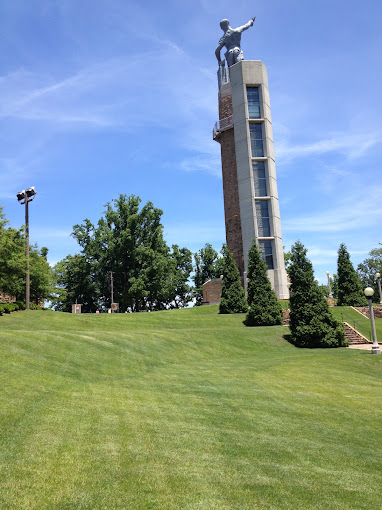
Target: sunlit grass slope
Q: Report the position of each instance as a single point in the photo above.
(183, 410)
(362, 324)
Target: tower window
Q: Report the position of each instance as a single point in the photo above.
(262, 216)
(253, 98)
(256, 133)
(265, 248)
(259, 178)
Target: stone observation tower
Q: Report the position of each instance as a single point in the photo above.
(244, 131)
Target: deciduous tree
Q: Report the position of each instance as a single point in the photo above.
(368, 269)
(207, 267)
(12, 259)
(74, 280)
(13, 265)
(128, 241)
(40, 275)
(181, 274)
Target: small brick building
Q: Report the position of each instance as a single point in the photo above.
(212, 291)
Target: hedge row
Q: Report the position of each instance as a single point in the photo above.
(14, 307)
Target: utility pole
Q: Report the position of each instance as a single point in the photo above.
(27, 195)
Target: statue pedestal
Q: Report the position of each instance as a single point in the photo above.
(249, 173)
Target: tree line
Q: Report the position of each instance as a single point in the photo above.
(148, 275)
(348, 284)
(13, 264)
(128, 240)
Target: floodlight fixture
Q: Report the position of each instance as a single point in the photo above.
(31, 192)
(21, 195)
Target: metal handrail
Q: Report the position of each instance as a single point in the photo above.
(222, 125)
(368, 332)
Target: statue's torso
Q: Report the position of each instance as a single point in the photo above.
(232, 39)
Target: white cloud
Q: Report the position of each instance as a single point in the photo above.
(153, 90)
(347, 214)
(204, 163)
(350, 145)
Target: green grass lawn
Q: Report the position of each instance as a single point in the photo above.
(284, 304)
(183, 410)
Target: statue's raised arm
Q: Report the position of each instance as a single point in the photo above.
(247, 25)
(231, 40)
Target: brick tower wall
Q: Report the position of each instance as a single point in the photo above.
(230, 185)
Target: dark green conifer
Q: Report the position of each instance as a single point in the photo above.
(350, 292)
(311, 322)
(264, 308)
(233, 296)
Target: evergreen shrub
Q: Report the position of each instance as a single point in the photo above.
(264, 308)
(311, 322)
(233, 297)
(350, 291)
(33, 306)
(16, 306)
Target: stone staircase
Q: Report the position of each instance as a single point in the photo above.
(353, 337)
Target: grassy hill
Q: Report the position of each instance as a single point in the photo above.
(182, 410)
(358, 321)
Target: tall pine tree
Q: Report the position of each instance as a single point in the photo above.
(311, 322)
(264, 308)
(233, 297)
(350, 292)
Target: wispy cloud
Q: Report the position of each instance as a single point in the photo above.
(77, 99)
(118, 91)
(208, 163)
(352, 146)
(347, 214)
(125, 94)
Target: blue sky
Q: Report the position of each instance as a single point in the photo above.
(107, 97)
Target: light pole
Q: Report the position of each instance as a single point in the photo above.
(112, 290)
(378, 276)
(375, 347)
(245, 281)
(24, 197)
(330, 290)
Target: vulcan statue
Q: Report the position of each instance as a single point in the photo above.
(231, 40)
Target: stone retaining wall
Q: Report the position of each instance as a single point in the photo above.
(6, 298)
(365, 311)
